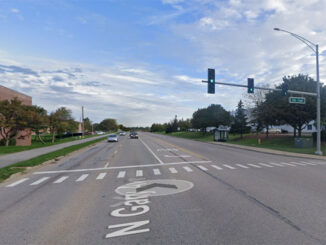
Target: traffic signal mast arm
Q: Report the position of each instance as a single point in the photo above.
(262, 88)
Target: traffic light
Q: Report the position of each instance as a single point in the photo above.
(251, 87)
(211, 81)
(285, 89)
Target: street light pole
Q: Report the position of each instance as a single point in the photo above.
(314, 47)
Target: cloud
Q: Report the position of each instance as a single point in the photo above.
(15, 11)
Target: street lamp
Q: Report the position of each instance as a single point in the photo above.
(313, 47)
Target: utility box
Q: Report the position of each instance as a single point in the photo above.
(221, 133)
(303, 142)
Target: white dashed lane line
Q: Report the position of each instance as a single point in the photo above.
(139, 173)
(40, 180)
(253, 165)
(228, 166)
(242, 166)
(156, 171)
(217, 167)
(121, 174)
(101, 176)
(82, 178)
(265, 165)
(188, 169)
(17, 182)
(202, 168)
(173, 170)
(60, 180)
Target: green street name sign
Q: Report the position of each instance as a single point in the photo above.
(297, 100)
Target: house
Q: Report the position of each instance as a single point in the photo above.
(23, 137)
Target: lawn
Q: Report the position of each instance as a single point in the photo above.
(6, 172)
(275, 142)
(37, 144)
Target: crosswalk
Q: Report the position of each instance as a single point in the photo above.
(120, 174)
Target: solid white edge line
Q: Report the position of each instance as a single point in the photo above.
(149, 149)
(118, 167)
(17, 182)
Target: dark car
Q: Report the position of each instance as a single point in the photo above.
(133, 135)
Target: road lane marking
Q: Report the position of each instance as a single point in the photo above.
(82, 177)
(60, 180)
(107, 165)
(309, 163)
(101, 176)
(242, 166)
(188, 169)
(202, 167)
(285, 163)
(173, 170)
(17, 182)
(276, 164)
(121, 174)
(149, 149)
(167, 149)
(40, 181)
(217, 167)
(139, 173)
(228, 166)
(297, 163)
(119, 167)
(156, 171)
(266, 165)
(253, 165)
(184, 156)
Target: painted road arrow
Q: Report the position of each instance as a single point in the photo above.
(146, 187)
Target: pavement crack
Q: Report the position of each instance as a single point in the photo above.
(269, 209)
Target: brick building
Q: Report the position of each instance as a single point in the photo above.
(23, 137)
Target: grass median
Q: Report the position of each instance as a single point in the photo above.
(7, 171)
(275, 142)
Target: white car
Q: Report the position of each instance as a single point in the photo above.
(113, 138)
(122, 133)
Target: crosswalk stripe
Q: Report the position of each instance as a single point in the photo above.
(253, 165)
(266, 165)
(228, 166)
(17, 182)
(156, 171)
(173, 170)
(309, 163)
(82, 177)
(285, 163)
(217, 167)
(60, 180)
(101, 176)
(202, 168)
(276, 164)
(188, 169)
(40, 181)
(139, 173)
(242, 166)
(297, 163)
(121, 174)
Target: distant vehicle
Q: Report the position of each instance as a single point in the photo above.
(113, 138)
(272, 131)
(133, 135)
(100, 132)
(122, 133)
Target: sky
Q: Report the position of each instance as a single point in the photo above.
(142, 62)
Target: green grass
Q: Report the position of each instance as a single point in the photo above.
(282, 143)
(37, 144)
(7, 171)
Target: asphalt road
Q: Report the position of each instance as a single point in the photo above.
(12, 158)
(164, 190)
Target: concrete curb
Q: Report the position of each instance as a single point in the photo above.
(270, 151)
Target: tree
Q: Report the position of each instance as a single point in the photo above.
(87, 124)
(12, 118)
(184, 125)
(61, 121)
(37, 120)
(240, 121)
(296, 115)
(108, 124)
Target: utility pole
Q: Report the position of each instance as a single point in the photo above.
(83, 126)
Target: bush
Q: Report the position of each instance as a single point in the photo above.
(12, 142)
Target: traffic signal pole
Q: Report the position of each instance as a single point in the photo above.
(263, 88)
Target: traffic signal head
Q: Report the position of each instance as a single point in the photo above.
(285, 89)
(251, 87)
(211, 81)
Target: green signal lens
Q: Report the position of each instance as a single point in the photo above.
(211, 80)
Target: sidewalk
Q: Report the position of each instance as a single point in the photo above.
(270, 151)
(8, 159)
